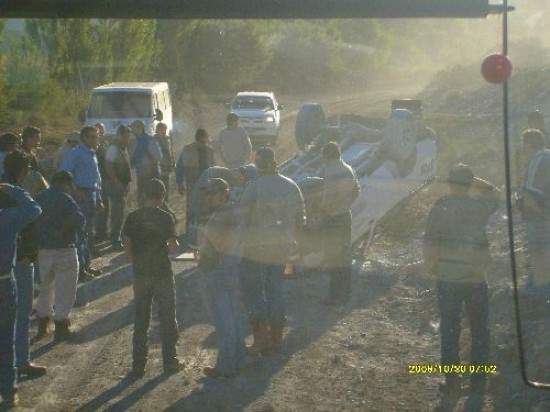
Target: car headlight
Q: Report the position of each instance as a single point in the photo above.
(269, 119)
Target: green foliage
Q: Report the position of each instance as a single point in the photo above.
(306, 57)
(83, 53)
(132, 52)
(212, 56)
(51, 68)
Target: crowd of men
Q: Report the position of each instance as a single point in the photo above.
(248, 220)
(246, 217)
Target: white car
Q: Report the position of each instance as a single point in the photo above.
(259, 114)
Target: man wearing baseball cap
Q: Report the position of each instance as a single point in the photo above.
(218, 260)
(456, 252)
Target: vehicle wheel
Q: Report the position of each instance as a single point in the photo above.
(309, 123)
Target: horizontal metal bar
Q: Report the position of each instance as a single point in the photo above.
(243, 9)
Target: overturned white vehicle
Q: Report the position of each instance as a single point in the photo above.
(390, 162)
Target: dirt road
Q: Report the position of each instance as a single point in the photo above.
(354, 358)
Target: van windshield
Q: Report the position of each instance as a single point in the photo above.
(253, 103)
(123, 104)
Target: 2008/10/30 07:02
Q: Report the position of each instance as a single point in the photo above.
(452, 368)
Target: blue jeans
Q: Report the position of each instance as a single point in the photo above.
(220, 294)
(162, 290)
(87, 207)
(117, 200)
(451, 296)
(338, 256)
(8, 311)
(263, 290)
(24, 278)
(103, 216)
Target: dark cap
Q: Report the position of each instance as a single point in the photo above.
(214, 186)
(461, 174)
(265, 158)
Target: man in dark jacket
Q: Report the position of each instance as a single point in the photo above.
(58, 226)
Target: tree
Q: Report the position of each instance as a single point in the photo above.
(213, 56)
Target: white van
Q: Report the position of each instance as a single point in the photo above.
(119, 103)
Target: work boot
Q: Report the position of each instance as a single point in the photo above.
(135, 374)
(276, 329)
(31, 371)
(63, 331)
(85, 276)
(43, 326)
(260, 332)
(174, 367)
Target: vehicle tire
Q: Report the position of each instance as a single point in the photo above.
(310, 121)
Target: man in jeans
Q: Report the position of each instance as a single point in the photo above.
(17, 210)
(456, 252)
(117, 166)
(218, 260)
(340, 189)
(58, 226)
(16, 169)
(149, 236)
(82, 163)
(272, 213)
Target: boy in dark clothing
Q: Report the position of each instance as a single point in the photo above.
(149, 236)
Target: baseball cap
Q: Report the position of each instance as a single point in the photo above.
(461, 174)
(214, 186)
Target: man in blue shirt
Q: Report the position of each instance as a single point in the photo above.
(58, 226)
(17, 210)
(82, 163)
(146, 158)
(16, 170)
